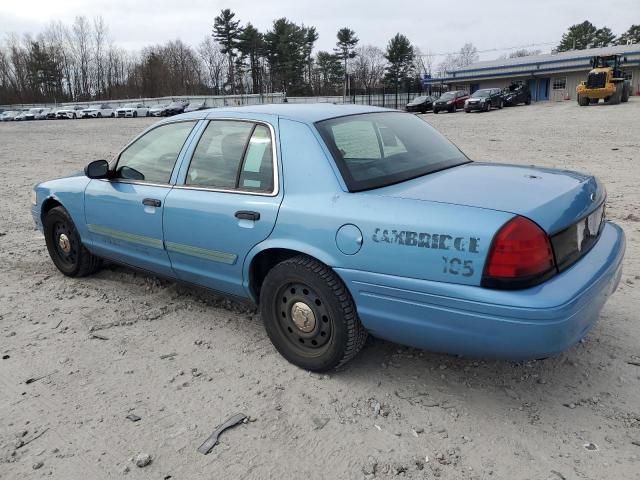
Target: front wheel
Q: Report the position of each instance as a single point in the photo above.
(65, 247)
(309, 315)
(135, 114)
(500, 105)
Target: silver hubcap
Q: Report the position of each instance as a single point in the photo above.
(303, 317)
(64, 243)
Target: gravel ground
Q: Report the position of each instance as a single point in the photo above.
(101, 346)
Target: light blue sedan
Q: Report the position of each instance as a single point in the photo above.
(340, 221)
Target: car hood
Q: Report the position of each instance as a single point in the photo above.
(443, 101)
(554, 199)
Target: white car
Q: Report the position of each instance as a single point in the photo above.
(43, 115)
(69, 111)
(8, 116)
(158, 110)
(133, 110)
(97, 111)
(31, 113)
(21, 115)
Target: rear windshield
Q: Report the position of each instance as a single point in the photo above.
(374, 150)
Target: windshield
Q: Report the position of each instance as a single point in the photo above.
(130, 105)
(482, 93)
(160, 106)
(374, 150)
(175, 104)
(35, 110)
(447, 96)
(419, 99)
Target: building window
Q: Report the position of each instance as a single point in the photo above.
(560, 83)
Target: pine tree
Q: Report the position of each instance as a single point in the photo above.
(227, 31)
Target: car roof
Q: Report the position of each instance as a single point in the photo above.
(306, 113)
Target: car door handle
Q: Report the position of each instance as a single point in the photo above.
(151, 202)
(246, 215)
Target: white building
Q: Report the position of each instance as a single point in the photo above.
(552, 76)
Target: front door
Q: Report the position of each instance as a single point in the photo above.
(124, 214)
(226, 203)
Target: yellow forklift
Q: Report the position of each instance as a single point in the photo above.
(606, 81)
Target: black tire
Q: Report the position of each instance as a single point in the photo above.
(626, 92)
(583, 101)
(466, 110)
(99, 114)
(453, 108)
(68, 254)
(135, 113)
(487, 106)
(501, 104)
(336, 334)
(528, 101)
(616, 98)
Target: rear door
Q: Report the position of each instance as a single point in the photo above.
(124, 214)
(226, 201)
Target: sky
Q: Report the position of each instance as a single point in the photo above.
(436, 26)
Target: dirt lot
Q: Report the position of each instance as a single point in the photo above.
(392, 411)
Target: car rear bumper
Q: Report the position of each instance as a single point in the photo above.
(472, 321)
(604, 92)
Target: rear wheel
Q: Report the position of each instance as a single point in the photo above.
(64, 245)
(626, 91)
(528, 101)
(453, 108)
(500, 104)
(487, 106)
(309, 315)
(99, 114)
(616, 98)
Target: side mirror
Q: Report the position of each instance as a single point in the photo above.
(97, 169)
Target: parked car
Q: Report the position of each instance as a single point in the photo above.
(69, 111)
(133, 110)
(158, 110)
(53, 114)
(450, 101)
(21, 115)
(31, 113)
(338, 220)
(516, 93)
(484, 100)
(8, 115)
(421, 104)
(43, 114)
(194, 107)
(175, 108)
(97, 111)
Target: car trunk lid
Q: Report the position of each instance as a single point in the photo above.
(554, 199)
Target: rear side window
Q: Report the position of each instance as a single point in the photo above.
(233, 155)
(378, 149)
(151, 158)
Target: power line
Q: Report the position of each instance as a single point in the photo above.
(489, 49)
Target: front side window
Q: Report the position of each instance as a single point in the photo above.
(151, 157)
(374, 150)
(233, 155)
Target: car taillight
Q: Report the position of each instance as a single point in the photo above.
(520, 256)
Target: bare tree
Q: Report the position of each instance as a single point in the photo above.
(368, 66)
(214, 63)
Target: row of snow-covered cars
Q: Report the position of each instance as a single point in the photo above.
(100, 110)
(481, 100)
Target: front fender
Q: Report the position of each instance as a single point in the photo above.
(69, 192)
